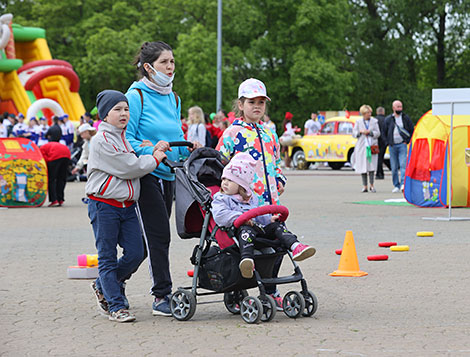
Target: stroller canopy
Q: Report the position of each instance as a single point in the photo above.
(202, 169)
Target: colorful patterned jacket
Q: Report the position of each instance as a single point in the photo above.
(262, 144)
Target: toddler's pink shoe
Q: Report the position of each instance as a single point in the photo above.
(302, 252)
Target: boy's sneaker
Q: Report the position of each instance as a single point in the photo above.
(122, 315)
(247, 265)
(161, 306)
(278, 300)
(101, 301)
(302, 252)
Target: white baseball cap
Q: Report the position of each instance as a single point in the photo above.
(85, 127)
(252, 88)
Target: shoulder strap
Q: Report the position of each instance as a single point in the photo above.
(176, 99)
(141, 97)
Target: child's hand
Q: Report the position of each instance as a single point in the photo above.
(275, 217)
(162, 146)
(146, 143)
(280, 188)
(250, 223)
(159, 155)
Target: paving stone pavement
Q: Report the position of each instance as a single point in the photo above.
(415, 304)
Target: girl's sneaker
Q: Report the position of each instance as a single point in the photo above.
(302, 252)
(122, 315)
(278, 300)
(100, 300)
(247, 265)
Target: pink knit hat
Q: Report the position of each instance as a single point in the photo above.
(241, 170)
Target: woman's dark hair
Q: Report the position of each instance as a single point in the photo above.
(149, 52)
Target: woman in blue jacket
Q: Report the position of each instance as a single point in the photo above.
(155, 117)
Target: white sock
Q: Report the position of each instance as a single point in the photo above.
(293, 246)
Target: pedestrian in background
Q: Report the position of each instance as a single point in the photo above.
(380, 116)
(57, 157)
(367, 132)
(196, 127)
(398, 131)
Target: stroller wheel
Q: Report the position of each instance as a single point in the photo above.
(251, 310)
(293, 304)
(311, 304)
(182, 304)
(233, 299)
(269, 308)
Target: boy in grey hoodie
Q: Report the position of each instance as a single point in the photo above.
(113, 187)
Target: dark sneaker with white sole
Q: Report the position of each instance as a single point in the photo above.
(161, 306)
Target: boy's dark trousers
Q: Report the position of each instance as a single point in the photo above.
(115, 226)
(57, 176)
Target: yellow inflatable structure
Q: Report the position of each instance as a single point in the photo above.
(28, 74)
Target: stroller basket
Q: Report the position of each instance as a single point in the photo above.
(219, 270)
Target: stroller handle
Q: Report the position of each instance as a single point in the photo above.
(173, 164)
(189, 144)
(258, 211)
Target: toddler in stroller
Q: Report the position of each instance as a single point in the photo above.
(216, 258)
(235, 198)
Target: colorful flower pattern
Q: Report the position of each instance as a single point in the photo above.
(244, 137)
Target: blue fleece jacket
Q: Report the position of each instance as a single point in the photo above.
(158, 120)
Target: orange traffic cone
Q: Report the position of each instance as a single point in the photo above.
(348, 264)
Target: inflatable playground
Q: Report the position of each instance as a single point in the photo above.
(31, 82)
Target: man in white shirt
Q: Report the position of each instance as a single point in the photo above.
(312, 126)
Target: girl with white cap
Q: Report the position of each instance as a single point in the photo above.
(249, 135)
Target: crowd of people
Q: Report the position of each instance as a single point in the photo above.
(130, 192)
(374, 135)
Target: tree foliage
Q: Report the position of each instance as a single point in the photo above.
(312, 54)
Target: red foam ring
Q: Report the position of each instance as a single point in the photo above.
(377, 257)
(387, 244)
(190, 273)
(338, 251)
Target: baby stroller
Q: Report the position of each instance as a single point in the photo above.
(216, 256)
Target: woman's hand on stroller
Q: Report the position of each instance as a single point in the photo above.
(196, 145)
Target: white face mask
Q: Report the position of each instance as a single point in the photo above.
(160, 78)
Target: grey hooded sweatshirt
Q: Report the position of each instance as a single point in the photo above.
(113, 167)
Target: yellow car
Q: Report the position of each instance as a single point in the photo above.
(333, 144)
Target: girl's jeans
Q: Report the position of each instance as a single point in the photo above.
(115, 226)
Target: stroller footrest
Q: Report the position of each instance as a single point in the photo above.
(283, 279)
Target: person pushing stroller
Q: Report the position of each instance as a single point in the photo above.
(234, 198)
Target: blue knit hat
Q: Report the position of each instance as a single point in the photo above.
(107, 99)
